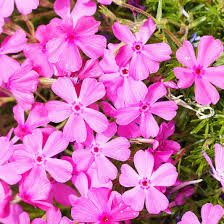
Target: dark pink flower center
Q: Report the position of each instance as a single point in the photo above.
(124, 71)
(71, 37)
(77, 108)
(144, 107)
(96, 149)
(199, 71)
(39, 159)
(145, 183)
(137, 47)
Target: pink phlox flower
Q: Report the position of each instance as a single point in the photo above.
(38, 116)
(98, 151)
(102, 206)
(122, 89)
(210, 215)
(147, 183)
(218, 170)
(77, 109)
(12, 218)
(5, 199)
(146, 108)
(32, 153)
(144, 57)
(128, 131)
(53, 217)
(76, 31)
(11, 44)
(34, 188)
(162, 147)
(24, 6)
(21, 84)
(197, 70)
(8, 172)
(90, 69)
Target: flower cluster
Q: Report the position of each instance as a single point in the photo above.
(75, 148)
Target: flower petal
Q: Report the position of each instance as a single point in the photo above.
(128, 176)
(144, 163)
(165, 175)
(205, 92)
(215, 75)
(208, 50)
(156, 201)
(95, 119)
(59, 169)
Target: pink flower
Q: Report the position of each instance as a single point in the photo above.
(105, 2)
(145, 108)
(162, 147)
(76, 108)
(5, 199)
(23, 6)
(99, 149)
(76, 31)
(145, 183)
(21, 84)
(33, 154)
(8, 172)
(210, 215)
(11, 44)
(144, 57)
(34, 188)
(197, 69)
(218, 170)
(12, 218)
(38, 116)
(122, 89)
(101, 206)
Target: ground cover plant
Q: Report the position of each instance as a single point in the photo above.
(111, 111)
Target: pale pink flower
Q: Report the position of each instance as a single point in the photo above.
(12, 218)
(144, 57)
(102, 206)
(99, 149)
(11, 44)
(162, 147)
(21, 84)
(145, 110)
(146, 183)
(218, 170)
(76, 31)
(8, 172)
(34, 188)
(122, 89)
(197, 69)
(5, 199)
(38, 116)
(210, 215)
(23, 6)
(32, 153)
(105, 2)
(76, 108)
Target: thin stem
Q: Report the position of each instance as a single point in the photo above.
(185, 184)
(31, 16)
(42, 97)
(176, 41)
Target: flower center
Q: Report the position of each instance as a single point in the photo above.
(71, 37)
(124, 72)
(105, 219)
(39, 159)
(96, 150)
(144, 107)
(137, 47)
(145, 183)
(199, 71)
(77, 108)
